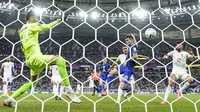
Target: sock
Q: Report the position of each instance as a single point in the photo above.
(4, 88)
(187, 90)
(59, 86)
(11, 86)
(174, 90)
(185, 86)
(128, 87)
(110, 78)
(167, 92)
(55, 90)
(119, 93)
(21, 90)
(100, 88)
(61, 90)
(94, 89)
(60, 62)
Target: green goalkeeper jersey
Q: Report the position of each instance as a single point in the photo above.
(29, 37)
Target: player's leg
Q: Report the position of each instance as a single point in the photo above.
(60, 62)
(175, 88)
(186, 84)
(101, 86)
(111, 76)
(4, 84)
(119, 93)
(55, 89)
(34, 75)
(169, 88)
(11, 83)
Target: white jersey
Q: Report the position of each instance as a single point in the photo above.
(122, 58)
(7, 67)
(179, 59)
(54, 70)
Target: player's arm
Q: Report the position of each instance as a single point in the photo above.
(143, 56)
(14, 70)
(45, 27)
(170, 54)
(190, 55)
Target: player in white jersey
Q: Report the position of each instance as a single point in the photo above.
(179, 70)
(56, 81)
(7, 68)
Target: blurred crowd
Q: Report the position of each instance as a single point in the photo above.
(94, 52)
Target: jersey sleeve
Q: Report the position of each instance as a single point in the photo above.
(131, 52)
(170, 53)
(43, 27)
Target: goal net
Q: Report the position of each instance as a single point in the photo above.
(94, 30)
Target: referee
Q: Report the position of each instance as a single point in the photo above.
(95, 78)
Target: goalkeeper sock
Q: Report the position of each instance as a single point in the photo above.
(60, 62)
(21, 90)
(185, 86)
(110, 78)
(167, 92)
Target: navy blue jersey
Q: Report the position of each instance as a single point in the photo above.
(130, 53)
(104, 68)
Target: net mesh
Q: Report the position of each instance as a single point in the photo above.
(91, 31)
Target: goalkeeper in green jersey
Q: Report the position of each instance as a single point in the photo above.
(36, 61)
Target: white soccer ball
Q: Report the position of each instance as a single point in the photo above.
(150, 33)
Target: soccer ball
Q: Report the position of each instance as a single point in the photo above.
(150, 33)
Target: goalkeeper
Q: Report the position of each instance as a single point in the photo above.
(36, 61)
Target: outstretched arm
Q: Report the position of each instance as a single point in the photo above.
(168, 55)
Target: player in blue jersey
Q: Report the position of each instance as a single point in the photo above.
(104, 71)
(127, 69)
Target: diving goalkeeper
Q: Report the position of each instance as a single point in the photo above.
(36, 61)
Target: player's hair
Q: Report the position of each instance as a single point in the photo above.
(131, 37)
(29, 14)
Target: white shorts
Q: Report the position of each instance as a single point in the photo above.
(56, 79)
(181, 74)
(7, 78)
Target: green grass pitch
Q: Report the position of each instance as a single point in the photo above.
(31, 104)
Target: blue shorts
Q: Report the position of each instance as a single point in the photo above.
(103, 76)
(127, 73)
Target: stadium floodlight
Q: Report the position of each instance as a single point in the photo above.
(189, 8)
(81, 14)
(184, 9)
(38, 10)
(194, 7)
(94, 15)
(10, 6)
(60, 13)
(120, 14)
(54, 13)
(167, 10)
(141, 13)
